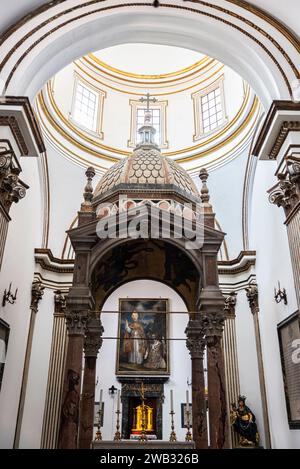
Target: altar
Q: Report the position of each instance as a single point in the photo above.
(149, 445)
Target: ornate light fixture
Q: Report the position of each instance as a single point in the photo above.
(280, 295)
(8, 296)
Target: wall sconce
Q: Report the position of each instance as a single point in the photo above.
(8, 296)
(112, 390)
(280, 295)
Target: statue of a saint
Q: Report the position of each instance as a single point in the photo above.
(156, 354)
(243, 421)
(135, 343)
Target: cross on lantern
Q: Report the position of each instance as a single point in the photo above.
(147, 100)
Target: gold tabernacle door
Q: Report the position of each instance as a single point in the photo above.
(138, 419)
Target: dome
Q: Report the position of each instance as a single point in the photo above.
(146, 166)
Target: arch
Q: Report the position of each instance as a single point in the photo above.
(105, 298)
(51, 39)
(130, 259)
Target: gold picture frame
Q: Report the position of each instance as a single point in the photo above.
(143, 333)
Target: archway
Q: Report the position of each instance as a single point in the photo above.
(52, 38)
(178, 355)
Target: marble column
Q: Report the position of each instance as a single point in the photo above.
(92, 344)
(218, 417)
(196, 344)
(68, 433)
(56, 374)
(37, 291)
(252, 295)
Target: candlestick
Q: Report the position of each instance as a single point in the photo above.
(171, 400)
(172, 434)
(187, 401)
(98, 436)
(188, 436)
(100, 399)
(118, 400)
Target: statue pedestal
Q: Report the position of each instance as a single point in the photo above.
(150, 444)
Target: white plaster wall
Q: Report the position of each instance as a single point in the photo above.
(268, 236)
(67, 182)
(24, 235)
(180, 364)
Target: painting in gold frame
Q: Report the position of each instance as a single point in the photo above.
(143, 331)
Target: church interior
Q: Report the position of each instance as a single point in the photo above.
(150, 224)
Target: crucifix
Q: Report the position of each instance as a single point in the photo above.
(147, 100)
(143, 436)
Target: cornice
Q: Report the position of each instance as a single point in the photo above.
(24, 102)
(48, 262)
(244, 261)
(275, 108)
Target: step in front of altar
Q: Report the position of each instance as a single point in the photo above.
(150, 444)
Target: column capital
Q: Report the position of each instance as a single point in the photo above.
(76, 322)
(93, 336)
(12, 189)
(229, 305)
(60, 302)
(252, 296)
(214, 325)
(195, 342)
(37, 292)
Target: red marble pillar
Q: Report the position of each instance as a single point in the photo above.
(68, 432)
(92, 344)
(218, 419)
(196, 344)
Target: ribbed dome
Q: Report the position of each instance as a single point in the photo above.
(146, 166)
